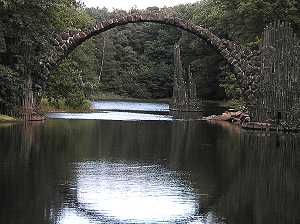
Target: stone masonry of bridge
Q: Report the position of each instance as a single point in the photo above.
(245, 63)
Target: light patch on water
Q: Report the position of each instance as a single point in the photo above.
(133, 193)
(110, 115)
(70, 216)
(130, 106)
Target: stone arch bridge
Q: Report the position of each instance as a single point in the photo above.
(245, 63)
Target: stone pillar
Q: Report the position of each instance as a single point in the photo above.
(179, 89)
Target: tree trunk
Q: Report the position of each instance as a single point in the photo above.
(102, 60)
(28, 100)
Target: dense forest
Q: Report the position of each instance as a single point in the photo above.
(135, 60)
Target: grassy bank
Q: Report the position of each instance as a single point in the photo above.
(61, 105)
(4, 118)
(108, 96)
(237, 104)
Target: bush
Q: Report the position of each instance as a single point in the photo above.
(11, 90)
(63, 104)
(231, 87)
(86, 105)
(60, 104)
(238, 104)
(296, 116)
(67, 87)
(45, 105)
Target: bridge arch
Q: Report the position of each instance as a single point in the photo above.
(244, 62)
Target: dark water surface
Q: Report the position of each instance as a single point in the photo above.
(152, 170)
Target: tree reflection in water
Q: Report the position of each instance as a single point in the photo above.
(234, 176)
(266, 187)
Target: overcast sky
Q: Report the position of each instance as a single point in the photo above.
(141, 4)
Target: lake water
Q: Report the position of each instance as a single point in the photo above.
(135, 162)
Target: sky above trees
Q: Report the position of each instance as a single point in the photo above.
(141, 4)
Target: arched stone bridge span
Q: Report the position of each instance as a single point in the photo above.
(245, 63)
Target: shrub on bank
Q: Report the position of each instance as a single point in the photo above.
(66, 89)
(47, 105)
(238, 104)
(44, 104)
(296, 116)
(11, 90)
(4, 118)
(86, 105)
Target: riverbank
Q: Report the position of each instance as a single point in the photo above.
(66, 110)
(244, 121)
(61, 105)
(120, 98)
(233, 116)
(108, 96)
(6, 119)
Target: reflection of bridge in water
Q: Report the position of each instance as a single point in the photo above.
(249, 178)
(266, 187)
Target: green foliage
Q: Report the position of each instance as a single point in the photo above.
(26, 30)
(44, 104)
(244, 20)
(69, 15)
(59, 104)
(296, 115)
(138, 60)
(4, 118)
(237, 104)
(86, 105)
(11, 90)
(231, 86)
(134, 60)
(66, 86)
(47, 105)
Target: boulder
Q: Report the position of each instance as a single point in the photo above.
(225, 117)
(247, 119)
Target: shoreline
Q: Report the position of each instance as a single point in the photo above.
(8, 119)
(243, 120)
(90, 110)
(163, 100)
